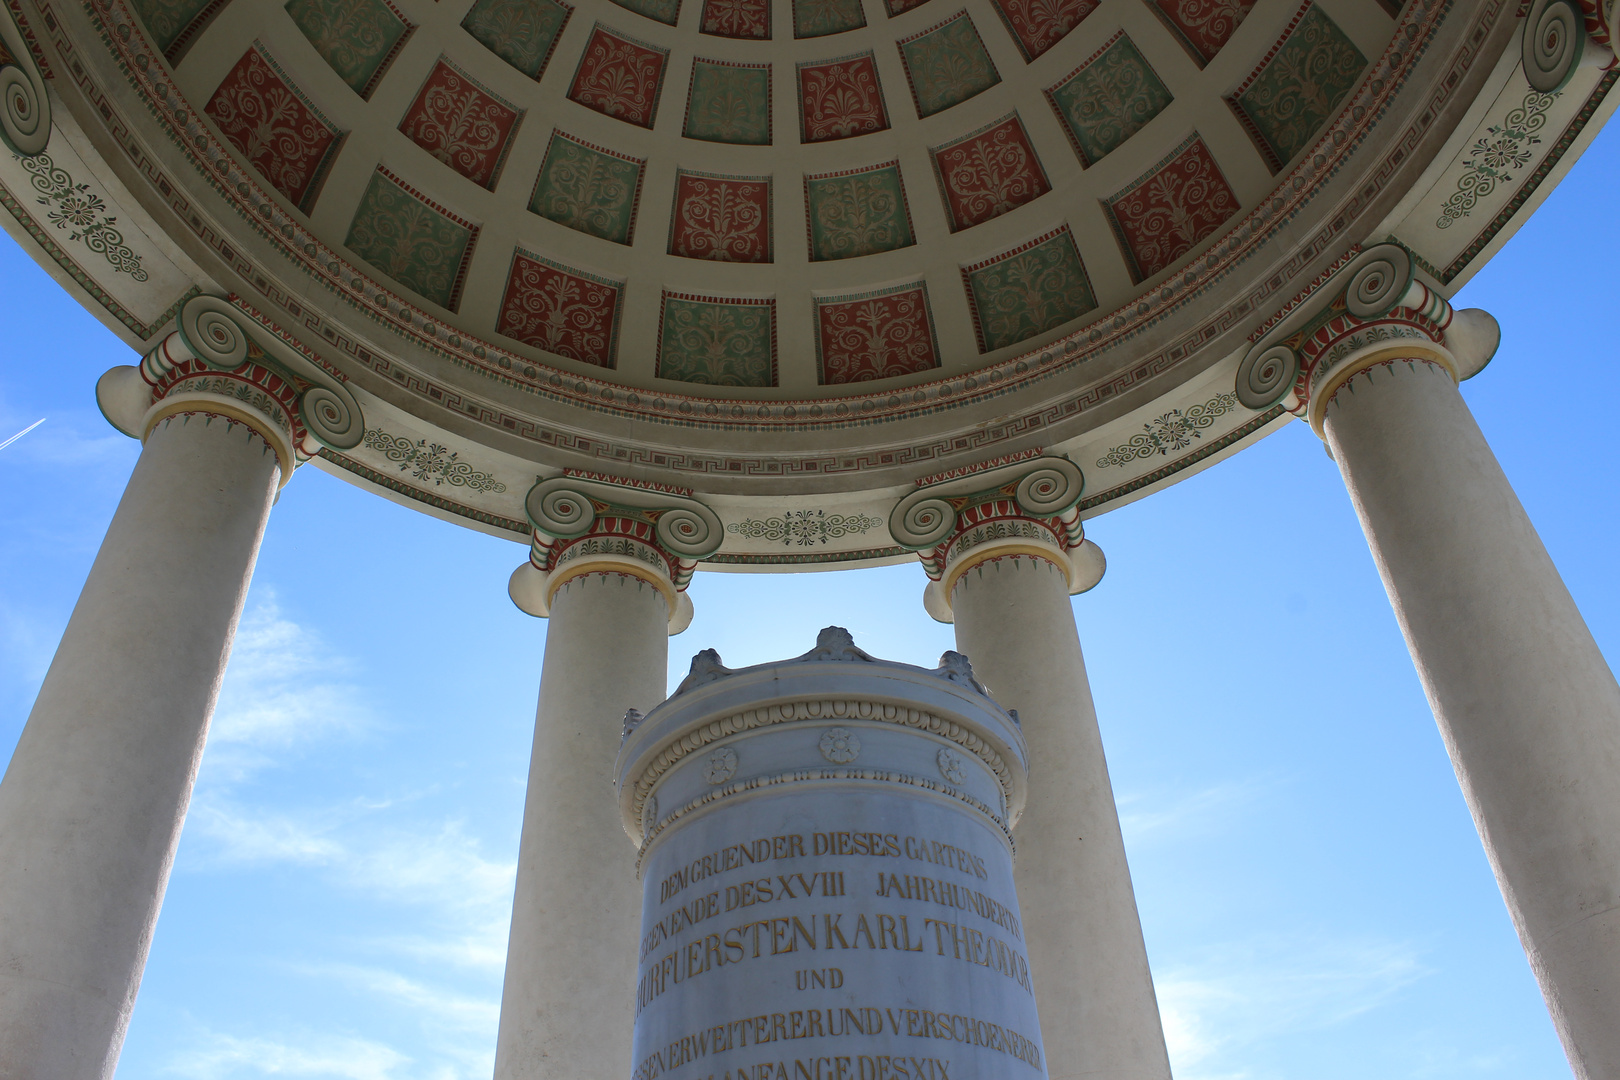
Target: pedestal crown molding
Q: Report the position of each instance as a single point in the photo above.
(587, 523)
(834, 683)
(1026, 508)
(218, 362)
(1373, 309)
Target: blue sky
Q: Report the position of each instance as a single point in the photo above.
(1314, 896)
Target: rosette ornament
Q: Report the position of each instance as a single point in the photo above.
(25, 109)
(1026, 509)
(219, 362)
(590, 524)
(1374, 310)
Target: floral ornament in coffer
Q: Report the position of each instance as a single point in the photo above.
(721, 766)
(840, 746)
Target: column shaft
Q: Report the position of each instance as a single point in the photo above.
(93, 800)
(568, 1007)
(1098, 1013)
(1529, 710)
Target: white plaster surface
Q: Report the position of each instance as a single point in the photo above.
(1098, 1008)
(828, 889)
(570, 966)
(1529, 710)
(93, 800)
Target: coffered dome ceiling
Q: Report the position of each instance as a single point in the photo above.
(794, 254)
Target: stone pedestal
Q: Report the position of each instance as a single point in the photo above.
(91, 805)
(827, 875)
(1529, 710)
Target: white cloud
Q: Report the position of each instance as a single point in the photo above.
(1240, 995)
(346, 1058)
(280, 686)
(437, 866)
(438, 1007)
(1176, 815)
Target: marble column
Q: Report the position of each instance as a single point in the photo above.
(1005, 550)
(94, 796)
(609, 566)
(1528, 709)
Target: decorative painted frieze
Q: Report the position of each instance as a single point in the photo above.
(358, 38)
(1297, 87)
(1168, 210)
(524, 33)
(271, 122)
(1170, 432)
(462, 123)
(589, 188)
(988, 172)
(839, 99)
(620, 77)
(946, 64)
(803, 528)
(729, 102)
(1108, 98)
(857, 212)
(724, 218)
(431, 462)
(749, 19)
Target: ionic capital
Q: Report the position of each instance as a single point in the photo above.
(1026, 509)
(25, 108)
(588, 524)
(218, 363)
(1374, 310)
(1561, 36)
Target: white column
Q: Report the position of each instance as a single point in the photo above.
(1529, 710)
(92, 802)
(568, 1007)
(608, 566)
(1099, 1016)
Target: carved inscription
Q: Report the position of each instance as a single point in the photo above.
(799, 846)
(868, 1022)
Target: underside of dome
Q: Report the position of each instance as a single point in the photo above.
(792, 256)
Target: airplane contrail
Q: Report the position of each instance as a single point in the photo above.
(21, 433)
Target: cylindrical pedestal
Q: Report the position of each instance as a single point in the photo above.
(828, 876)
(1528, 708)
(570, 974)
(1085, 939)
(91, 805)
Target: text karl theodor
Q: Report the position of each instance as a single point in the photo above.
(921, 932)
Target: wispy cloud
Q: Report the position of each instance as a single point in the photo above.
(283, 686)
(222, 1056)
(441, 866)
(436, 1006)
(1167, 815)
(1239, 995)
